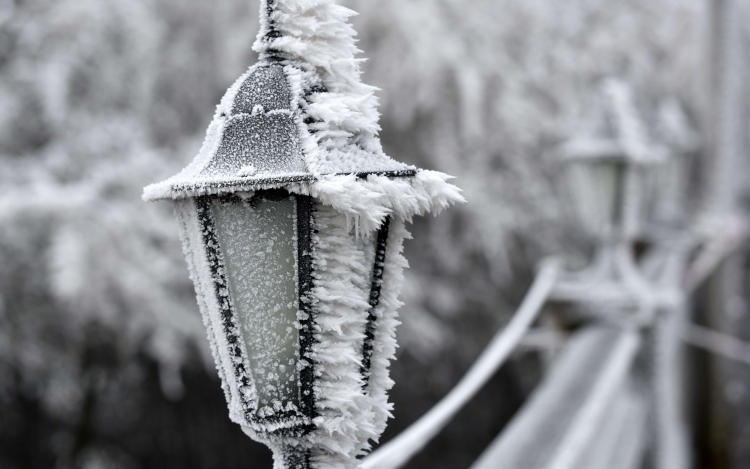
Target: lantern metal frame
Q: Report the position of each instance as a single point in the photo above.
(300, 419)
(381, 244)
(229, 315)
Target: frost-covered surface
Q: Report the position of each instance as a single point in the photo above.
(101, 97)
(302, 120)
(350, 413)
(366, 203)
(299, 114)
(260, 258)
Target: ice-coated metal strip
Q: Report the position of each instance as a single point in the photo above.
(374, 300)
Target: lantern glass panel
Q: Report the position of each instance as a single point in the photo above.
(597, 188)
(259, 244)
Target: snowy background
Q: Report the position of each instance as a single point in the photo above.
(104, 362)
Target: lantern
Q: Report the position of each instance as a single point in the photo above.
(608, 165)
(292, 221)
(608, 174)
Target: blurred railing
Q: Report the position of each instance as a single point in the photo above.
(592, 407)
(399, 450)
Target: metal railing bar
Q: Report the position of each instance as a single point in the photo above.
(556, 425)
(717, 342)
(585, 425)
(620, 442)
(401, 449)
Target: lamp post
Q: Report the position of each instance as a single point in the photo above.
(292, 222)
(607, 168)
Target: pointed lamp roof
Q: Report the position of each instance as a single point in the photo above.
(299, 114)
(615, 132)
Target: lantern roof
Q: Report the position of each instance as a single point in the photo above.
(614, 131)
(299, 114)
(301, 119)
(267, 131)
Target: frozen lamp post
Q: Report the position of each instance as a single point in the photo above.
(292, 221)
(607, 170)
(673, 176)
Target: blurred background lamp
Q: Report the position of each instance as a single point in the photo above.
(607, 169)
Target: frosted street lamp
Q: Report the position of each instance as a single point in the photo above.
(292, 222)
(607, 168)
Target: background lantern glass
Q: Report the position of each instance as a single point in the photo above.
(606, 187)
